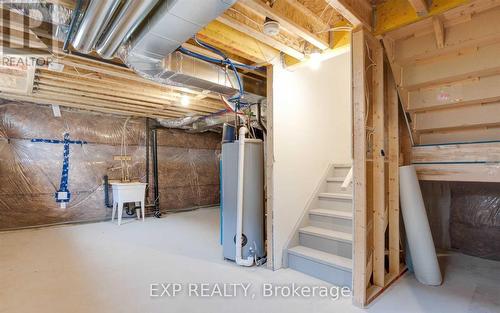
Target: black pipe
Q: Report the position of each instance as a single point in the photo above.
(74, 19)
(259, 117)
(106, 192)
(155, 174)
(147, 158)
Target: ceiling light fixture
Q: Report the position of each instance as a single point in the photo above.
(271, 27)
(185, 101)
(315, 60)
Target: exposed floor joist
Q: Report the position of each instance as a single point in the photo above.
(357, 12)
(287, 23)
(394, 14)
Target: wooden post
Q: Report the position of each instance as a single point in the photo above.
(269, 148)
(393, 133)
(379, 216)
(359, 166)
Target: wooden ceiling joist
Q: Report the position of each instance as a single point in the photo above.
(229, 39)
(393, 14)
(305, 26)
(314, 18)
(121, 93)
(260, 36)
(286, 22)
(357, 12)
(420, 7)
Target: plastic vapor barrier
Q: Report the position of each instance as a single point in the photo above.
(30, 172)
(464, 217)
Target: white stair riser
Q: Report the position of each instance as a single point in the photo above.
(340, 248)
(335, 204)
(333, 275)
(341, 171)
(330, 222)
(335, 187)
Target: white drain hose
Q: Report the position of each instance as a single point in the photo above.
(239, 206)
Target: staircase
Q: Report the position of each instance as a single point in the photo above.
(325, 242)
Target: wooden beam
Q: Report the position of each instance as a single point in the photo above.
(473, 91)
(341, 44)
(286, 23)
(487, 152)
(312, 17)
(438, 31)
(357, 12)
(260, 36)
(482, 61)
(458, 118)
(81, 98)
(120, 98)
(459, 172)
(420, 7)
(148, 95)
(491, 133)
(478, 30)
(393, 14)
(379, 153)
(393, 194)
(359, 166)
(50, 100)
(231, 40)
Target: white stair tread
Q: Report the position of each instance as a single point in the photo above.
(335, 179)
(332, 213)
(326, 233)
(322, 257)
(341, 196)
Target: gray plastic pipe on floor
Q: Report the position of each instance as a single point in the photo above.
(418, 231)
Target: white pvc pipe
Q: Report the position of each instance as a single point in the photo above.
(418, 231)
(239, 206)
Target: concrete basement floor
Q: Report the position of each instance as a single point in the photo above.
(105, 268)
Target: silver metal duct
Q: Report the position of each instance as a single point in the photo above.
(174, 22)
(97, 15)
(151, 52)
(182, 70)
(211, 122)
(129, 18)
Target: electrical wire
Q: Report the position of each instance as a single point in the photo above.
(336, 29)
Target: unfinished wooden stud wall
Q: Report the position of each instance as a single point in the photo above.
(377, 261)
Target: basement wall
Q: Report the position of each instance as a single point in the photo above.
(311, 129)
(30, 172)
(464, 217)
